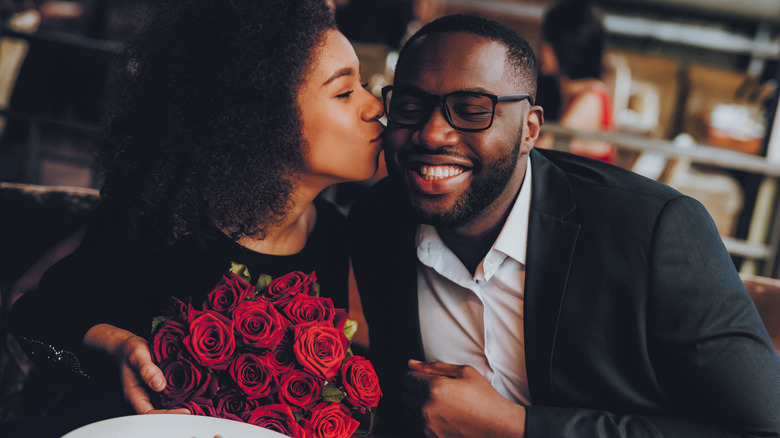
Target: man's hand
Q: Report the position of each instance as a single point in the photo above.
(137, 371)
(456, 401)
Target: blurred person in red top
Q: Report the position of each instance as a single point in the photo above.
(571, 51)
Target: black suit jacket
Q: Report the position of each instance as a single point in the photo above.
(636, 322)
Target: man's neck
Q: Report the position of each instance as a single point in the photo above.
(471, 241)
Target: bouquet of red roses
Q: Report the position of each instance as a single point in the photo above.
(273, 354)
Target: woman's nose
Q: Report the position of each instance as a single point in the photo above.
(374, 108)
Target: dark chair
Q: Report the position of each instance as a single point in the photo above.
(765, 292)
(33, 219)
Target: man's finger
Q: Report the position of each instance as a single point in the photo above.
(436, 368)
(418, 383)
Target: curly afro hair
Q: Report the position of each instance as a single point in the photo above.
(206, 129)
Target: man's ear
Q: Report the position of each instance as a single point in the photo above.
(533, 127)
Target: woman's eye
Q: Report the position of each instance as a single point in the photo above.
(365, 85)
(345, 95)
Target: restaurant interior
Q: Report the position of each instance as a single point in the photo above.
(693, 86)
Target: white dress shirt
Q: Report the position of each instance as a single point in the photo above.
(478, 320)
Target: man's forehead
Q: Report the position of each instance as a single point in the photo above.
(453, 57)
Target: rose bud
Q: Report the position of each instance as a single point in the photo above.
(185, 381)
(299, 388)
(254, 376)
(286, 287)
(231, 291)
(211, 341)
(278, 418)
(167, 341)
(320, 349)
(332, 420)
(360, 382)
(259, 324)
(305, 309)
(177, 310)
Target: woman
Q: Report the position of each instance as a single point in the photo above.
(571, 50)
(233, 117)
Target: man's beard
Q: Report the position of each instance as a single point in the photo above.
(479, 196)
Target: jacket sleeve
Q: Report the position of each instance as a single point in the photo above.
(713, 359)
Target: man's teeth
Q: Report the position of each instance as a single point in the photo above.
(438, 172)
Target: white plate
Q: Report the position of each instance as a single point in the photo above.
(170, 426)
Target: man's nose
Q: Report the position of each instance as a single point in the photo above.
(436, 132)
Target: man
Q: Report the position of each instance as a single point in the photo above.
(550, 295)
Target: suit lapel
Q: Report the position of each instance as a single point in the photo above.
(408, 284)
(400, 235)
(551, 243)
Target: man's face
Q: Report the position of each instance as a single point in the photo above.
(454, 177)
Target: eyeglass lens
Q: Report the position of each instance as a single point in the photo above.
(465, 110)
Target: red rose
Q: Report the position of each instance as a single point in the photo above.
(299, 388)
(320, 349)
(231, 291)
(186, 381)
(286, 287)
(177, 310)
(200, 406)
(253, 376)
(167, 342)
(259, 324)
(232, 404)
(304, 309)
(211, 341)
(278, 418)
(360, 382)
(340, 320)
(282, 358)
(332, 420)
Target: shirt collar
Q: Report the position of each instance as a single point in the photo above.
(514, 235)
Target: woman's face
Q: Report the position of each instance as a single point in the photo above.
(340, 118)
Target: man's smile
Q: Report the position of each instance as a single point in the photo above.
(439, 172)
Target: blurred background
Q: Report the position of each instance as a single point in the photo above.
(692, 85)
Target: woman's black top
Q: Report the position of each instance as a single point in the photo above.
(112, 279)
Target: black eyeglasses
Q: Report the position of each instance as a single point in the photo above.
(467, 111)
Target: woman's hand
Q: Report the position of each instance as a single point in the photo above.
(137, 371)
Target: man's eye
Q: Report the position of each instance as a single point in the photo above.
(407, 109)
(471, 112)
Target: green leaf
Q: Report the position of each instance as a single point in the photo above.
(350, 328)
(316, 289)
(263, 281)
(241, 270)
(157, 321)
(332, 393)
(297, 415)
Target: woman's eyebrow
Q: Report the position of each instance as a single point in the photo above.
(346, 71)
